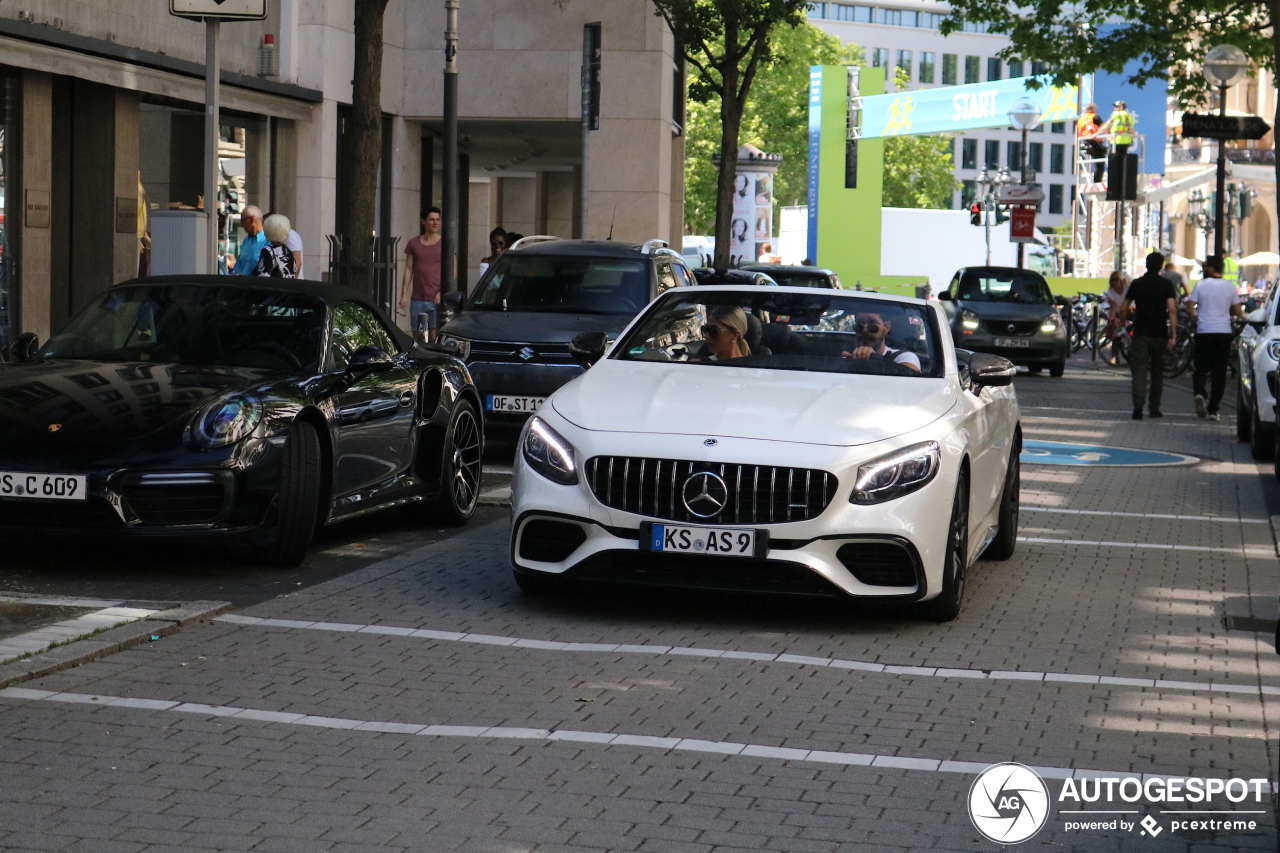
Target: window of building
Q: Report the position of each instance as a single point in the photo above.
(974, 27)
(993, 68)
(991, 154)
(949, 69)
(968, 193)
(817, 10)
(904, 62)
(1055, 198)
(1035, 156)
(880, 57)
(1015, 67)
(1058, 127)
(891, 17)
(968, 154)
(1037, 67)
(1013, 155)
(1057, 159)
(971, 66)
(926, 67)
(861, 14)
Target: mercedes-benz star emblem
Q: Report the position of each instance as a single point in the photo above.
(526, 353)
(710, 442)
(705, 494)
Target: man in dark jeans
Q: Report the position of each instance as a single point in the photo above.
(1153, 303)
(1212, 305)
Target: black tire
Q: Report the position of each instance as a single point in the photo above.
(1034, 370)
(1261, 440)
(1058, 368)
(298, 501)
(461, 468)
(535, 583)
(946, 606)
(1006, 541)
(1275, 451)
(1244, 415)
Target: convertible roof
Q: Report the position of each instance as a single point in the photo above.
(583, 248)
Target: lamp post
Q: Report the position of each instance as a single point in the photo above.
(989, 190)
(1224, 66)
(1024, 115)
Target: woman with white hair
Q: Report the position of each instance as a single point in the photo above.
(276, 261)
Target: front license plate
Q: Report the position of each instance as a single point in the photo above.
(1022, 343)
(58, 487)
(517, 405)
(712, 541)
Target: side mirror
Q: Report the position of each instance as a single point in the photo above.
(451, 306)
(368, 360)
(945, 296)
(588, 347)
(990, 370)
(24, 347)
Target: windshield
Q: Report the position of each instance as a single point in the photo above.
(800, 279)
(1004, 287)
(567, 285)
(197, 324)
(783, 331)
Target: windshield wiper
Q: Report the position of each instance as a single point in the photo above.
(565, 309)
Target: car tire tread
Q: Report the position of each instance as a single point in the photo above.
(298, 501)
(1006, 539)
(454, 510)
(946, 605)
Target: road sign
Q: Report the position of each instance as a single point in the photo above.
(221, 10)
(1064, 453)
(1022, 225)
(1223, 127)
(1021, 194)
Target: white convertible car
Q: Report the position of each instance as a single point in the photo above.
(785, 440)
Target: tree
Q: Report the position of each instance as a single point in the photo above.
(776, 119)
(727, 42)
(358, 217)
(919, 171)
(1168, 39)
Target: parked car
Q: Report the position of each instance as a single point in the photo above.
(514, 330)
(810, 466)
(1259, 358)
(1008, 312)
(229, 408)
(794, 275)
(705, 277)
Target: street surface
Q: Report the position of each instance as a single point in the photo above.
(407, 696)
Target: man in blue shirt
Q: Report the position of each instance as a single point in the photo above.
(251, 246)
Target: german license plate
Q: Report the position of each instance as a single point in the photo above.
(1019, 343)
(712, 541)
(517, 405)
(58, 487)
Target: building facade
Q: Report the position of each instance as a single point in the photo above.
(102, 126)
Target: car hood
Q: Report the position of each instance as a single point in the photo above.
(757, 403)
(531, 327)
(93, 401)
(1008, 310)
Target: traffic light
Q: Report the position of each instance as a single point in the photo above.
(1247, 195)
(975, 214)
(1002, 214)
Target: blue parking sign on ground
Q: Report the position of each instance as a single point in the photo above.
(1062, 453)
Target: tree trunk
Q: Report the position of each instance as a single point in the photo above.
(730, 124)
(364, 150)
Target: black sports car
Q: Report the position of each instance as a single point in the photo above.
(220, 406)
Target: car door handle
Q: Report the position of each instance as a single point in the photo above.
(406, 399)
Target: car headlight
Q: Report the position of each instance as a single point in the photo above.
(226, 421)
(968, 319)
(548, 453)
(464, 345)
(1273, 350)
(896, 474)
(1051, 323)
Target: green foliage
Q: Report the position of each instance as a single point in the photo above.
(776, 120)
(1168, 38)
(919, 171)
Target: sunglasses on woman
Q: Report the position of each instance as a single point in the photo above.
(710, 333)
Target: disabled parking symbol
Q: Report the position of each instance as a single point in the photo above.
(1063, 453)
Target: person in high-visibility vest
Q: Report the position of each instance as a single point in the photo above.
(1087, 128)
(1121, 126)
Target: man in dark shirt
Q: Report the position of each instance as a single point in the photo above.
(1153, 302)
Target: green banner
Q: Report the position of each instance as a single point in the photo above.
(955, 108)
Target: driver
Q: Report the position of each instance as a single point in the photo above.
(726, 333)
(872, 329)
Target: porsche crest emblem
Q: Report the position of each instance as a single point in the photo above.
(54, 427)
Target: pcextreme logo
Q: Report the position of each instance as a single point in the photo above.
(1008, 803)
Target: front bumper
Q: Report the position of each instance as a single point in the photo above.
(521, 380)
(1042, 349)
(565, 532)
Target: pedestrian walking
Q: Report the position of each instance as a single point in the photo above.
(294, 245)
(1179, 283)
(276, 261)
(252, 245)
(1117, 290)
(1087, 129)
(420, 292)
(497, 245)
(1212, 304)
(1121, 126)
(1155, 331)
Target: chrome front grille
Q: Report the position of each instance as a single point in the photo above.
(517, 353)
(756, 494)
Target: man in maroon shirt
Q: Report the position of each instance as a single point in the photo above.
(420, 292)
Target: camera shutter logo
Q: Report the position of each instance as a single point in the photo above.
(1008, 803)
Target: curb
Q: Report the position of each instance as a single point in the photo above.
(159, 624)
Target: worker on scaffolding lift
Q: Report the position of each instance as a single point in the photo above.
(1121, 126)
(1087, 129)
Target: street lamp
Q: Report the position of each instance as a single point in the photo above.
(1024, 115)
(1224, 66)
(989, 189)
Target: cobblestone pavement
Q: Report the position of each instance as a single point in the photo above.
(425, 703)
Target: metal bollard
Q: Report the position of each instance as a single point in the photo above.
(1094, 343)
(422, 328)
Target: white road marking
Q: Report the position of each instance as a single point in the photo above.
(861, 759)
(34, 642)
(1224, 519)
(764, 657)
(1248, 552)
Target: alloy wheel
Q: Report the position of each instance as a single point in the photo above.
(466, 460)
